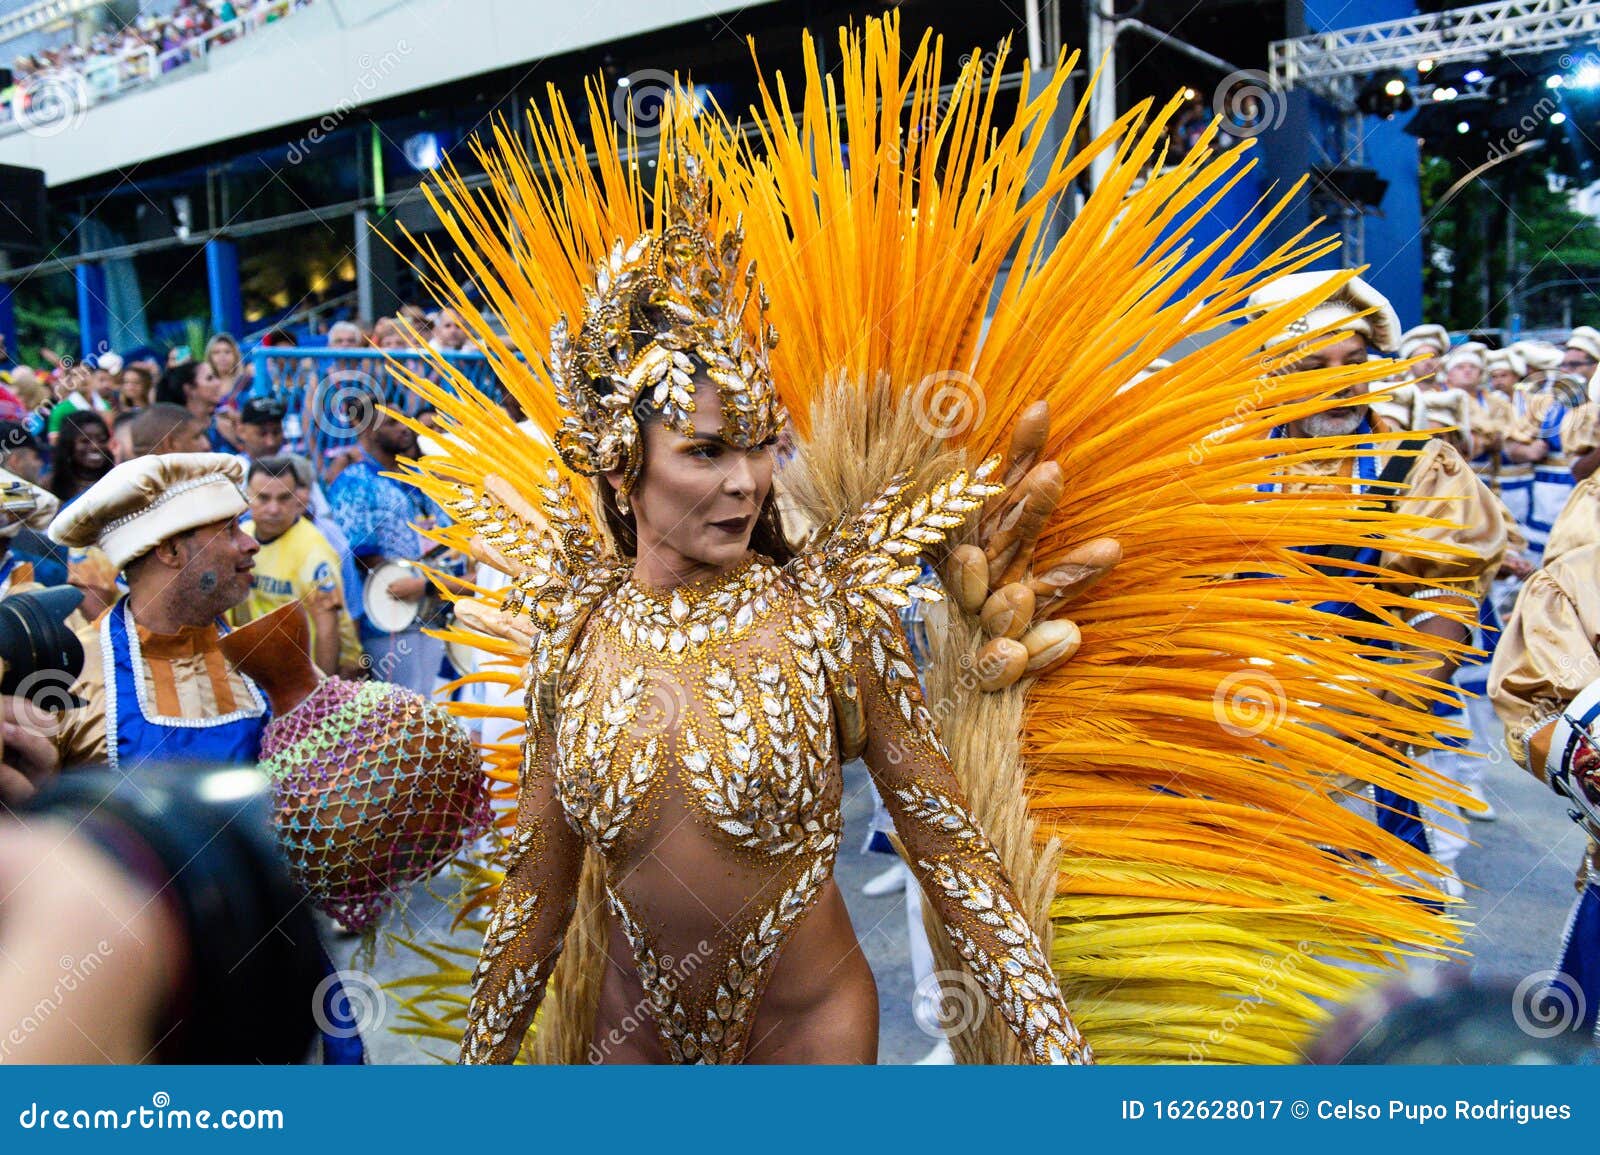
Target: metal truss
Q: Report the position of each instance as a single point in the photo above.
(1334, 64)
(41, 15)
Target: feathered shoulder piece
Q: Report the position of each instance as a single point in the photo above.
(560, 569)
(863, 570)
(866, 564)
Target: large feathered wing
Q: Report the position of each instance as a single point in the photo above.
(1168, 798)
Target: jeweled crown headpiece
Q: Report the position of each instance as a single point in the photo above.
(657, 307)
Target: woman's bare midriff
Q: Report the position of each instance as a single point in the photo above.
(820, 1005)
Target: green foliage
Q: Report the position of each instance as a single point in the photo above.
(1465, 279)
(196, 332)
(50, 326)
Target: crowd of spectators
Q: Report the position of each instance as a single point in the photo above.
(136, 52)
(329, 521)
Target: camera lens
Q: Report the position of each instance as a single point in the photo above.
(35, 641)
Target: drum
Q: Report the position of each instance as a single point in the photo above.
(385, 611)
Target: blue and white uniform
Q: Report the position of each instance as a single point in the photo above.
(1545, 690)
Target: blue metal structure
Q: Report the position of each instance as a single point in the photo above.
(94, 316)
(317, 386)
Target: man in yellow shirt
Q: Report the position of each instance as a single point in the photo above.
(296, 562)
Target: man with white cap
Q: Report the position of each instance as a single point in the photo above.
(1545, 685)
(1580, 433)
(154, 681)
(1532, 442)
(1513, 463)
(1464, 369)
(1425, 477)
(1430, 342)
(1505, 368)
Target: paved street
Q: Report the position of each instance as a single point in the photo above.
(1520, 870)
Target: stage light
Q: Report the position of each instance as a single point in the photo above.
(1463, 127)
(1384, 95)
(422, 151)
(1555, 81)
(1445, 93)
(1587, 77)
(624, 81)
(1558, 118)
(1473, 75)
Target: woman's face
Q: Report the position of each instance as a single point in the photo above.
(697, 498)
(207, 385)
(135, 389)
(91, 451)
(223, 358)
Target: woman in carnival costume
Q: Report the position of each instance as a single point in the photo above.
(1123, 816)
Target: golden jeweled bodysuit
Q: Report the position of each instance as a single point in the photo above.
(697, 748)
(696, 741)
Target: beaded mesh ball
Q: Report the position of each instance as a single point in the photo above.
(375, 788)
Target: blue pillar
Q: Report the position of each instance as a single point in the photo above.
(8, 325)
(94, 317)
(222, 272)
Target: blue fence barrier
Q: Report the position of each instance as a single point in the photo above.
(316, 387)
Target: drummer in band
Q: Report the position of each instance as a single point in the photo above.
(381, 517)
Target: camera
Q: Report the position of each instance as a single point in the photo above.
(39, 656)
(257, 976)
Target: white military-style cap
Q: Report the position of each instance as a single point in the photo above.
(144, 502)
(1346, 303)
(1412, 340)
(1497, 359)
(1585, 339)
(1538, 354)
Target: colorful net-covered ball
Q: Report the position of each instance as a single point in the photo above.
(376, 787)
